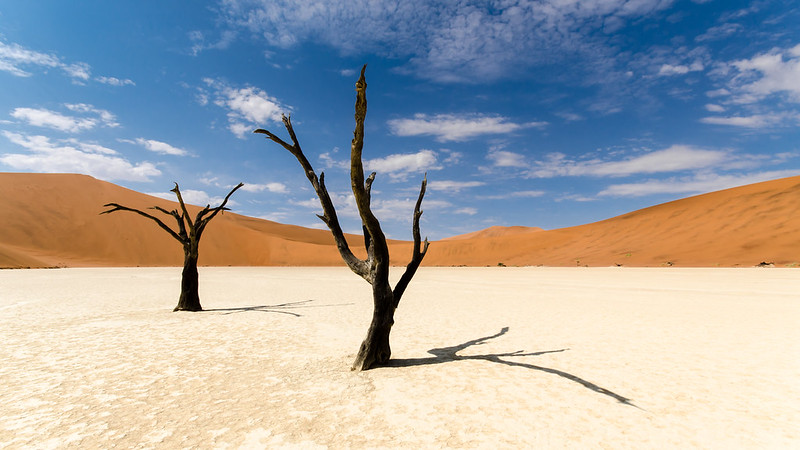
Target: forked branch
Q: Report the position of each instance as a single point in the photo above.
(328, 216)
(419, 249)
(117, 207)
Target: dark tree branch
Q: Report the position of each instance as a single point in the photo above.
(186, 216)
(202, 221)
(117, 207)
(417, 253)
(329, 216)
(174, 214)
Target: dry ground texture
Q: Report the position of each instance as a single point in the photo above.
(484, 358)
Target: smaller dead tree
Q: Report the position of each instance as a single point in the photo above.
(188, 234)
(375, 349)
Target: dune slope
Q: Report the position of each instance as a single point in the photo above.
(742, 226)
(52, 220)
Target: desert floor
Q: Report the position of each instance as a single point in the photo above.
(483, 357)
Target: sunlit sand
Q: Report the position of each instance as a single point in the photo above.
(482, 357)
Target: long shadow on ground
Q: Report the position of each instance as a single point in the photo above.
(279, 308)
(450, 354)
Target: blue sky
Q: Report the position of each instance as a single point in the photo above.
(547, 113)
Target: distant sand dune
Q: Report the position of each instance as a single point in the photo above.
(53, 220)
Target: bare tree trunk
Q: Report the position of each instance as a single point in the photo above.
(190, 284)
(375, 349)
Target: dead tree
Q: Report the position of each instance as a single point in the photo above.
(375, 349)
(188, 234)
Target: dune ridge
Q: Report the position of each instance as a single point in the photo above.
(52, 220)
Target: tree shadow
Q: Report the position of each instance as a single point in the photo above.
(280, 308)
(450, 354)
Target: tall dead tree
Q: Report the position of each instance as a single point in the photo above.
(188, 234)
(375, 349)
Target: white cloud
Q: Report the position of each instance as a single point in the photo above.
(113, 81)
(447, 41)
(754, 121)
(467, 210)
(453, 186)
(106, 118)
(199, 41)
(14, 57)
(762, 88)
(774, 72)
(161, 147)
(673, 159)
(570, 117)
(51, 119)
(73, 156)
(91, 147)
(503, 158)
(680, 69)
(248, 107)
(517, 194)
(400, 166)
(70, 124)
(402, 210)
(714, 108)
(80, 71)
(719, 32)
(718, 93)
(692, 185)
(278, 188)
(452, 127)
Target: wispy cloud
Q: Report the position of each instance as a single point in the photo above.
(73, 156)
(445, 41)
(766, 74)
(696, 184)
(452, 127)
(20, 61)
(673, 159)
(470, 211)
(277, 188)
(504, 158)
(200, 43)
(400, 166)
(510, 195)
(161, 147)
(113, 81)
(71, 124)
(762, 90)
(13, 57)
(679, 69)
(720, 32)
(397, 166)
(453, 186)
(753, 121)
(248, 107)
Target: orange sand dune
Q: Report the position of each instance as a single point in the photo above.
(494, 231)
(52, 220)
(742, 226)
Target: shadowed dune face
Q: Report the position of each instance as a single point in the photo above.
(53, 220)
